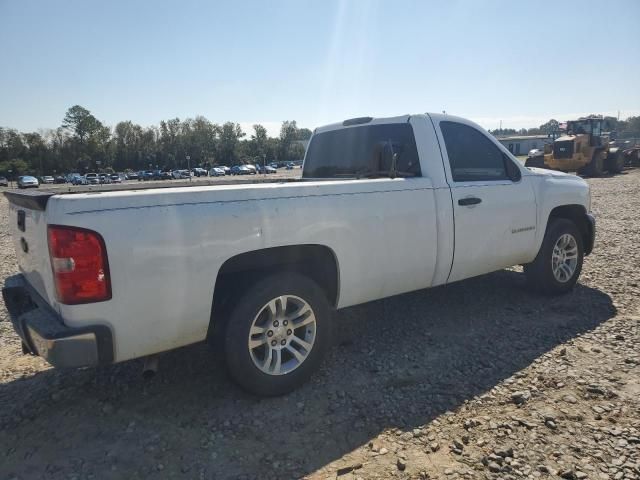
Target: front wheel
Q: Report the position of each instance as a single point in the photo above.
(558, 264)
(595, 168)
(277, 334)
(615, 162)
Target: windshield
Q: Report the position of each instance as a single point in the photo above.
(585, 127)
(351, 152)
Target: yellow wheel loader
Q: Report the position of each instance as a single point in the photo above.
(583, 149)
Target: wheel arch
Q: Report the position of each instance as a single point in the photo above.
(578, 215)
(318, 262)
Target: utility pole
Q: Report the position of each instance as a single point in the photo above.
(189, 166)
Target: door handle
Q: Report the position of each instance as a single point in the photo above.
(465, 202)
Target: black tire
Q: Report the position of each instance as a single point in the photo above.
(240, 364)
(539, 273)
(615, 162)
(596, 165)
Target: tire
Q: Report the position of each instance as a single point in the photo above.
(252, 311)
(615, 162)
(595, 168)
(540, 273)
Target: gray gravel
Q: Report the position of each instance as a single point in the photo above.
(480, 379)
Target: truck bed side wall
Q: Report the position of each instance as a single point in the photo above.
(165, 249)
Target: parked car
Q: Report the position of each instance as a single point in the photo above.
(535, 152)
(217, 172)
(433, 198)
(27, 181)
(92, 179)
(4, 182)
(147, 175)
(267, 169)
(240, 170)
(104, 178)
(181, 174)
(131, 176)
(60, 179)
(252, 168)
(48, 180)
(78, 179)
(115, 178)
(227, 170)
(290, 166)
(200, 172)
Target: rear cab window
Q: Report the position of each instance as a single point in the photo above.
(362, 152)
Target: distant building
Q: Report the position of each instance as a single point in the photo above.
(521, 144)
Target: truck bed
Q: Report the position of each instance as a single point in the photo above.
(37, 199)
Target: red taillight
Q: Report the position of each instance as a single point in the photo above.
(79, 264)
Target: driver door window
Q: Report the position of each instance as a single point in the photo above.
(472, 156)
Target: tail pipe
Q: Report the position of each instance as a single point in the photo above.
(150, 367)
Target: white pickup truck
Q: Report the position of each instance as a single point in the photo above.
(384, 206)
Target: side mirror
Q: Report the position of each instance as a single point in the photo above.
(513, 172)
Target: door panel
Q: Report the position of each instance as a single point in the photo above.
(494, 203)
(495, 233)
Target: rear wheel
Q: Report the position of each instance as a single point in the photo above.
(277, 334)
(615, 162)
(558, 264)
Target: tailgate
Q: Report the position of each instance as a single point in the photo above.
(28, 226)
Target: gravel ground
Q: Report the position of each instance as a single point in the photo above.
(480, 379)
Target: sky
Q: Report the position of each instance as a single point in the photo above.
(317, 62)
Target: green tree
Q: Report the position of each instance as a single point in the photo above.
(16, 166)
(288, 134)
(80, 121)
(550, 127)
(632, 127)
(304, 134)
(230, 135)
(82, 141)
(259, 141)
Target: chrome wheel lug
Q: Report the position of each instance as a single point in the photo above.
(273, 343)
(285, 323)
(270, 333)
(289, 332)
(283, 342)
(276, 323)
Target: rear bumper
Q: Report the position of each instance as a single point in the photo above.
(591, 234)
(43, 333)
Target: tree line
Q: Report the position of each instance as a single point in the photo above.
(83, 143)
(629, 128)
